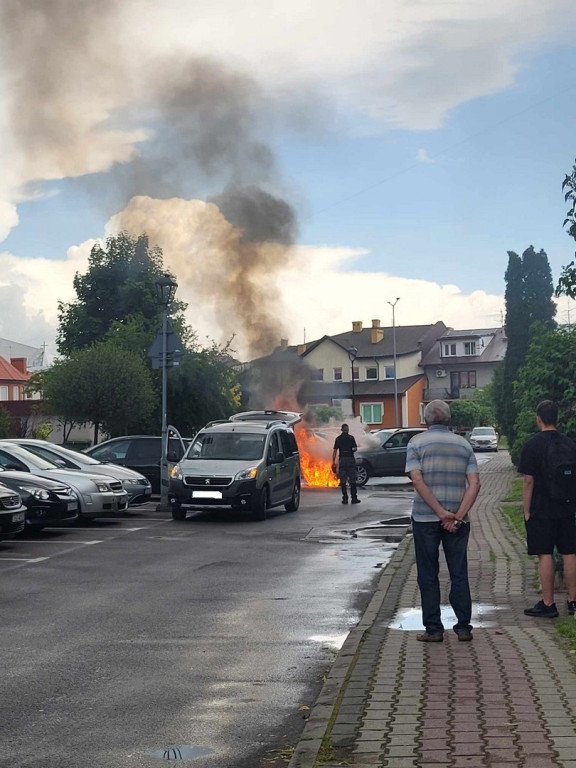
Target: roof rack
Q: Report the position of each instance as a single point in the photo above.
(216, 421)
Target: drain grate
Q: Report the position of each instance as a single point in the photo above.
(180, 753)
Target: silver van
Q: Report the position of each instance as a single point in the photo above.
(250, 462)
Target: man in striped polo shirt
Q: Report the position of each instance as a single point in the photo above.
(444, 472)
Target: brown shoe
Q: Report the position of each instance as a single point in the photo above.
(464, 637)
(426, 637)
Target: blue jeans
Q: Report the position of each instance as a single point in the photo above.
(427, 540)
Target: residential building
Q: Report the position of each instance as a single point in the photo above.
(359, 372)
(461, 362)
(13, 377)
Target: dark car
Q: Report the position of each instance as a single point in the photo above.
(139, 452)
(386, 456)
(12, 513)
(48, 502)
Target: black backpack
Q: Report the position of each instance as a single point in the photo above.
(559, 469)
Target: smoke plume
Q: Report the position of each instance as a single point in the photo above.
(167, 130)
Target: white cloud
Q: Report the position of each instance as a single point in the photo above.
(423, 157)
(30, 290)
(401, 62)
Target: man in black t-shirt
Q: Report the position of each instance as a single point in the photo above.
(345, 448)
(549, 523)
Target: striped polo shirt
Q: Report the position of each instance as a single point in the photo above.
(444, 460)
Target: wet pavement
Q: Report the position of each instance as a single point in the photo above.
(506, 699)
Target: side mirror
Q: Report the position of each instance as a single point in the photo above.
(278, 458)
(172, 456)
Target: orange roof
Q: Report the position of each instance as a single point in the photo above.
(9, 373)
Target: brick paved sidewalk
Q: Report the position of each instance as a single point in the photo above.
(506, 699)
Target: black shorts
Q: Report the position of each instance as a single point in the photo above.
(542, 535)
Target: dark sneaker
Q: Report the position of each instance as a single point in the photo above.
(427, 637)
(464, 637)
(571, 605)
(355, 501)
(344, 501)
(542, 610)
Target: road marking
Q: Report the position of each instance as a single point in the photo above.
(58, 541)
(24, 559)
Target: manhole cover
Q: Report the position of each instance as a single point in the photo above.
(180, 753)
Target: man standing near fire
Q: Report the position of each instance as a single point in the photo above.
(345, 447)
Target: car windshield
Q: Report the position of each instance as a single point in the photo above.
(231, 446)
(483, 431)
(75, 456)
(25, 457)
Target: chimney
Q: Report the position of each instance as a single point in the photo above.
(375, 323)
(356, 326)
(301, 349)
(376, 334)
(20, 364)
(284, 344)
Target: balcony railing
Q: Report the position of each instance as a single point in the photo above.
(441, 393)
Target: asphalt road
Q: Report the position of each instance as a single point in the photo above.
(123, 641)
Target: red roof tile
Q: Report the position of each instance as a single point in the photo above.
(9, 373)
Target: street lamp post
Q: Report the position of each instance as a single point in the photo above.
(393, 305)
(352, 355)
(165, 291)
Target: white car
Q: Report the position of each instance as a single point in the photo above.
(484, 439)
(138, 487)
(99, 496)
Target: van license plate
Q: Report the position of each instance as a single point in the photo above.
(18, 517)
(206, 494)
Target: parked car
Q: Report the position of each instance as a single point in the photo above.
(388, 456)
(138, 487)
(141, 453)
(12, 513)
(99, 496)
(484, 439)
(248, 462)
(48, 502)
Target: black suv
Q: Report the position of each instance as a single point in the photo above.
(139, 452)
(386, 457)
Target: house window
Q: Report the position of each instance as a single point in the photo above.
(337, 374)
(3, 393)
(372, 413)
(449, 350)
(469, 347)
(389, 371)
(15, 393)
(318, 374)
(463, 379)
(356, 373)
(372, 373)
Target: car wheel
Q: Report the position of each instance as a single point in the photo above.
(362, 474)
(294, 502)
(259, 506)
(178, 513)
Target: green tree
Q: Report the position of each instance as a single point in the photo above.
(102, 384)
(6, 426)
(204, 387)
(528, 296)
(567, 282)
(118, 287)
(549, 372)
(484, 400)
(464, 414)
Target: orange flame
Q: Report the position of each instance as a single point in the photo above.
(315, 451)
(315, 459)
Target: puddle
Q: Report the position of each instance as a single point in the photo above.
(180, 753)
(334, 642)
(410, 619)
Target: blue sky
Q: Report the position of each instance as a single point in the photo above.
(416, 151)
